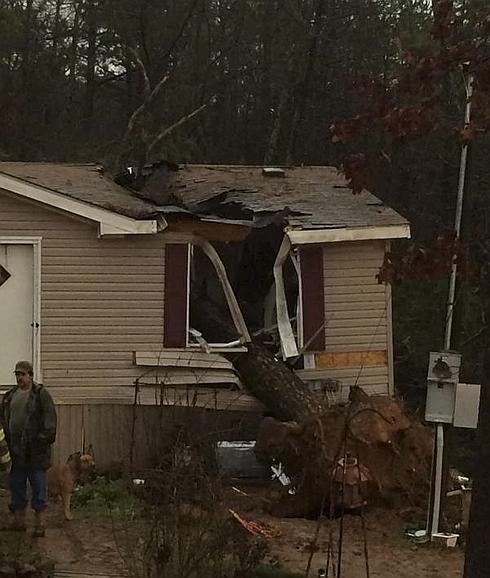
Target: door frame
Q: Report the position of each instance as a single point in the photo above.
(36, 328)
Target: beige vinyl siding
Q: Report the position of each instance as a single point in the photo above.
(357, 312)
(101, 299)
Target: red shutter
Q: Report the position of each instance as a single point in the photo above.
(313, 300)
(175, 298)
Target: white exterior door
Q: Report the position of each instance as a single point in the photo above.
(16, 308)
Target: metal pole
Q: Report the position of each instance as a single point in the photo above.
(439, 444)
(458, 217)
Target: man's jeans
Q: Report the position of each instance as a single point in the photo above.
(18, 488)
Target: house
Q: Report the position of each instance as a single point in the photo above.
(130, 301)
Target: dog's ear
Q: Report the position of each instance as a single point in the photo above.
(74, 458)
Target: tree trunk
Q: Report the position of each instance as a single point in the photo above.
(303, 93)
(271, 155)
(90, 75)
(26, 72)
(477, 562)
(57, 28)
(73, 54)
(271, 381)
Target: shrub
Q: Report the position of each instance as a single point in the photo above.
(106, 497)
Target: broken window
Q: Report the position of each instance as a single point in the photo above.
(249, 266)
(198, 310)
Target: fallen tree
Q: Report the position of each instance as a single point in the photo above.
(271, 381)
(332, 455)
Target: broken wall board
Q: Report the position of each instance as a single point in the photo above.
(181, 358)
(221, 348)
(181, 376)
(204, 397)
(289, 347)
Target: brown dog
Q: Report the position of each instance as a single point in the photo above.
(63, 480)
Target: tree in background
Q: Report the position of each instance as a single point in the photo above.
(279, 70)
(417, 136)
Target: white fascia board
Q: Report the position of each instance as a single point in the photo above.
(110, 223)
(304, 237)
(139, 228)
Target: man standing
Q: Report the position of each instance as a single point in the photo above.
(29, 422)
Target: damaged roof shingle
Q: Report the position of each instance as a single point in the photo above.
(311, 197)
(306, 197)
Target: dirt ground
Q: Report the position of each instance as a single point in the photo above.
(84, 545)
(87, 544)
(389, 552)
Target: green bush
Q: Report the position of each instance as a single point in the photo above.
(106, 497)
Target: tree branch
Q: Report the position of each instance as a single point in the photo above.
(174, 126)
(180, 32)
(142, 69)
(139, 114)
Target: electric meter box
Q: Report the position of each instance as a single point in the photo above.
(444, 366)
(440, 402)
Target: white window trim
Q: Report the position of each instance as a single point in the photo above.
(36, 327)
(220, 270)
(190, 254)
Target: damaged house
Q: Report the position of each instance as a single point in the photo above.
(130, 301)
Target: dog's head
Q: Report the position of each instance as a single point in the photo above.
(84, 464)
(87, 463)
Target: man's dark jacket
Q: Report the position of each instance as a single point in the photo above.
(39, 433)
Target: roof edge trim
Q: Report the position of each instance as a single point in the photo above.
(304, 237)
(111, 223)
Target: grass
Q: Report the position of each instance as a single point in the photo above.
(106, 497)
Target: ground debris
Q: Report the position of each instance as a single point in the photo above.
(264, 530)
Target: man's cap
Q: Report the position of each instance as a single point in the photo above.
(25, 366)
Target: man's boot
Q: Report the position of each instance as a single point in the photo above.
(39, 524)
(19, 521)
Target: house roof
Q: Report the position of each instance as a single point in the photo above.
(84, 182)
(308, 197)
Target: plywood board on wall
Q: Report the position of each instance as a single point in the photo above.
(351, 358)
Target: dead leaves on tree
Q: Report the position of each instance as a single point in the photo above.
(410, 107)
(424, 263)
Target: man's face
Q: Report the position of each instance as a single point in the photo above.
(24, 379)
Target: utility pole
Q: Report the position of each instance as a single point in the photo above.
(458, 216)
(444, 431)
